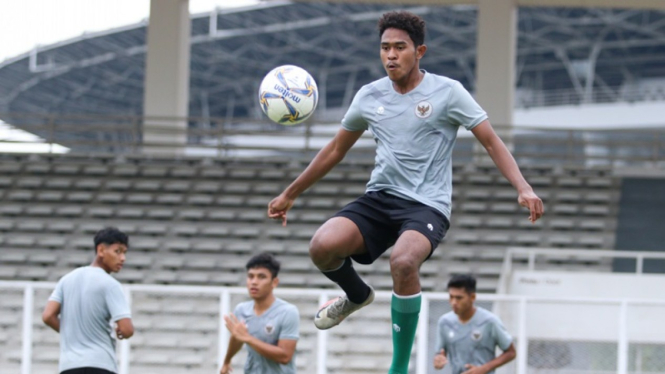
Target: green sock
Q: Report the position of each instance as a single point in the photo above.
(404, 311)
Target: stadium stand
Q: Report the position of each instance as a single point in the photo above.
(197, 227)
(48, 217)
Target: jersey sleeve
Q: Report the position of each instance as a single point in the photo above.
(463, 110)
(57, 294)
(290, 329)
(440, 336)
(353, 119)
(116, 303)
(501, 335)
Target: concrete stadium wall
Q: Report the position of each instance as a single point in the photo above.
(578, 318)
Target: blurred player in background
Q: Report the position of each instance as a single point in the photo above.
(468, 335)
(269, 326)
(83, 305)
(414, 117)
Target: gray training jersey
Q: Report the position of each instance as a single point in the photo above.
(280, 322)
(473, 342)
(415, 134)
(90, 299)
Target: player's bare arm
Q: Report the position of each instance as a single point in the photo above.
(51, 314)
(124, 328)
(504, 358)
(325, 160)
(231, 351)
(508, 167)
(281, 353)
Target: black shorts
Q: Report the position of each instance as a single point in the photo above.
(382, 218)
(87, 370)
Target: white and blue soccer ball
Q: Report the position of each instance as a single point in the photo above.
(288, 95)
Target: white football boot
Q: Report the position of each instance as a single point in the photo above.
(334, 311)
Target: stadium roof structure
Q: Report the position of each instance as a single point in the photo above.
(592, 54)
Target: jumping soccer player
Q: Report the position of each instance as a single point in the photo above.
(414, 117)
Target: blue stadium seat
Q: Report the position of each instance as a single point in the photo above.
(200, 199)
(29, 182)
(154, 171)
(148, 185)
(88, 184)
(20, 195)
(207, 187)
(67, 169)
(96, 170)
(169, 199)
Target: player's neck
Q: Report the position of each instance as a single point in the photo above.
(410, 82)
(98, 263)
(466, 317)
(263, 304)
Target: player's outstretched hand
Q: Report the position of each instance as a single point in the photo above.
(278, 207)
(440, 360)
(530, 200)
(237, 328)
(226, 369)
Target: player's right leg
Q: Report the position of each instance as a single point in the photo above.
(330, 249)
(337, 239)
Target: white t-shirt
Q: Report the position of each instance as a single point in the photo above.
(90, 300)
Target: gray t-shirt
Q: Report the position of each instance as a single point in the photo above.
(90, 299)
(415, 135)
(280, 322)
(473, 342)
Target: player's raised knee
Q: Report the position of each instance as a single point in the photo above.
(321, 247)
(404, 264)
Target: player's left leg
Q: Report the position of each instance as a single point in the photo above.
(422, 229)
(410, 251)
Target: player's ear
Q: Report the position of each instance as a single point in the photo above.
(420, 51)
(275, 281)
(473, 296)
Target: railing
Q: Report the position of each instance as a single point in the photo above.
(526, 98)
(531, 254)
(532, 352)
(236, 137)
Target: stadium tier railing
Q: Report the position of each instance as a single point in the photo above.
(532, 254)
(614, 352)
(238, 137)
(526, 98)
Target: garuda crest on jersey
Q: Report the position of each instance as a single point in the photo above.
(423, 109)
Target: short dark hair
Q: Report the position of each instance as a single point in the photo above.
(264, 260)
(110, 235)
(465, 281)
(406, 21)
